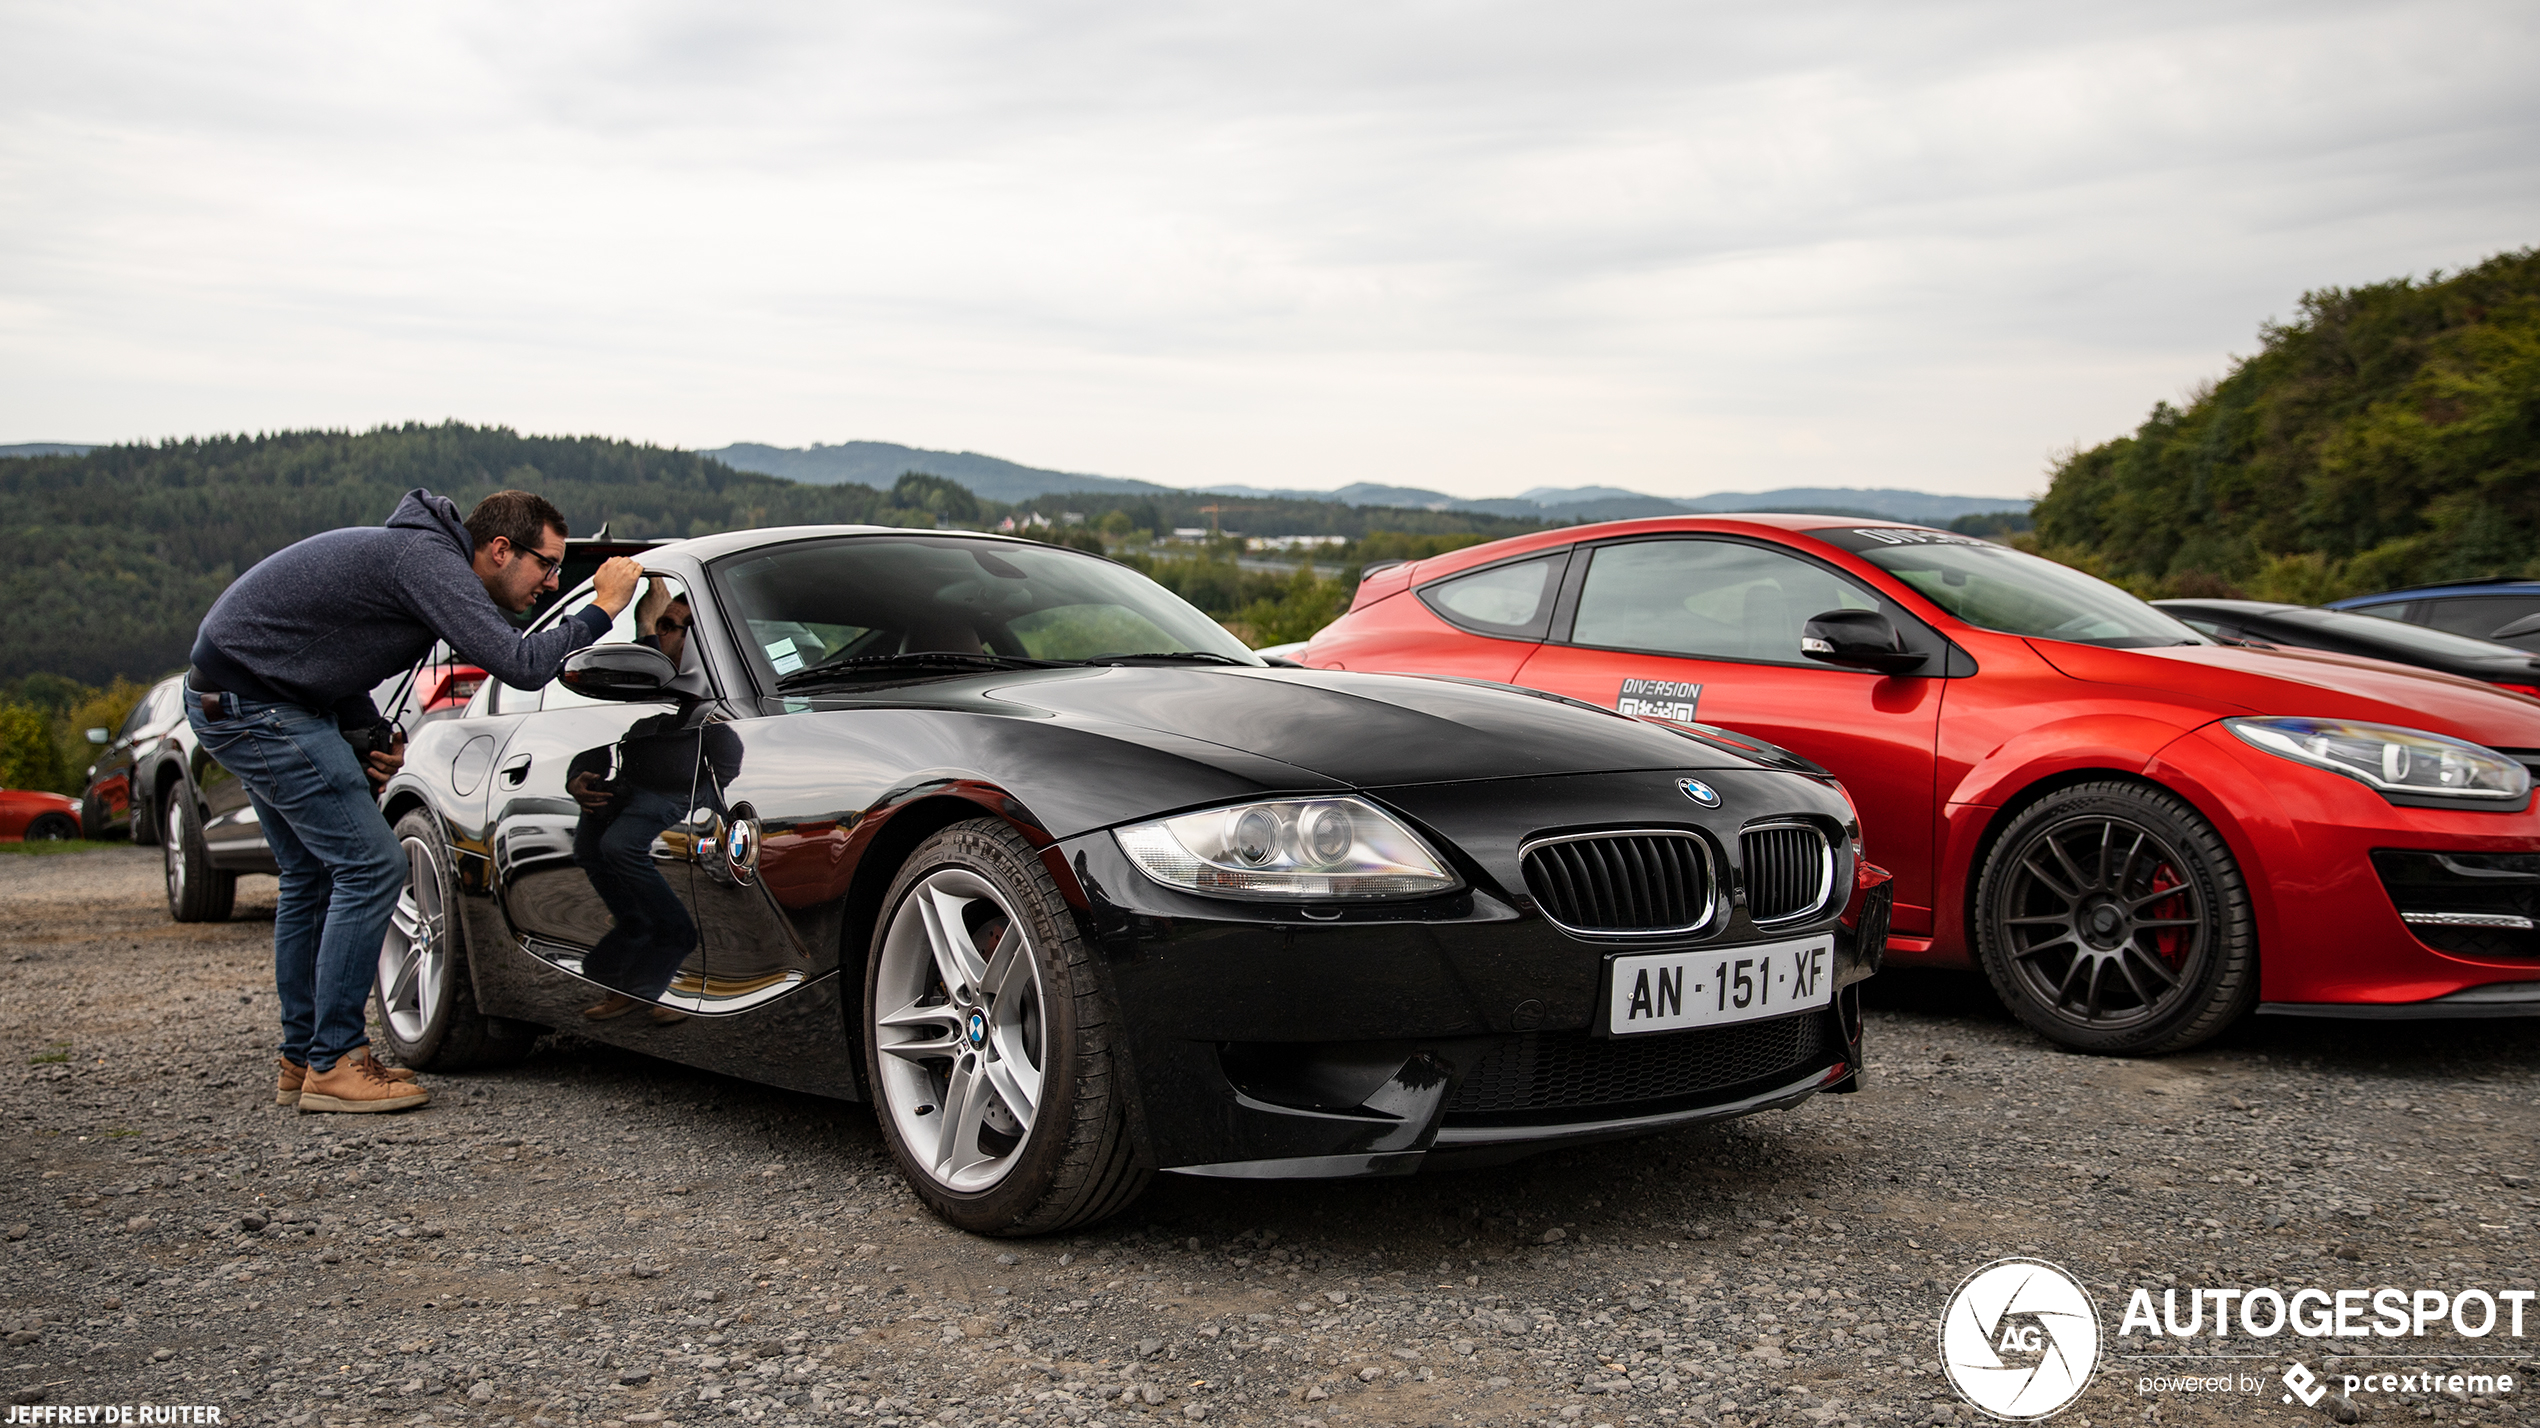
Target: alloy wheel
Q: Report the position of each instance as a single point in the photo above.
(172, 849)
(411, 956)
(961, 1029)
(2102, 927)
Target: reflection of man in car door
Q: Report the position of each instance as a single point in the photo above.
(624, 811)
(667, 629)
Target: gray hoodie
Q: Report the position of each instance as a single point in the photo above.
(321, 622)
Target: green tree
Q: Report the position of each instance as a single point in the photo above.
(949, 502)
(29, 757)
(2389, 435)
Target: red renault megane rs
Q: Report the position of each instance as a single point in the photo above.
(2137, 834)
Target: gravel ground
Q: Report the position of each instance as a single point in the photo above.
(594, 1238)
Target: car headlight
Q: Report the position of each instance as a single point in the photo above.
(1287, 848)
(2392, 760)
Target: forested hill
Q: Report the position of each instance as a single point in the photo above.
(109, 559)
(112, 556)
(2388, 436)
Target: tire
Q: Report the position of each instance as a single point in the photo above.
(2112, 918)
(93, 821)
(1002, 1030)
(424, 994)
(197, 892)
(51, 828)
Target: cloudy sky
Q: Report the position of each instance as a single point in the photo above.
(1678, 247)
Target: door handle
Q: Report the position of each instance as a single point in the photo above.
(515, 769)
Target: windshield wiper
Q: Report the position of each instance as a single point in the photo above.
(949, 660)
(1185, 656)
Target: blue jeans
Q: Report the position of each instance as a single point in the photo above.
(341, 866)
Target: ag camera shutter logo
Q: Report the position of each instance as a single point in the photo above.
(2019, 1339)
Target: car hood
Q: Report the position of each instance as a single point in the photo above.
(1366, 730)
(2315, 684)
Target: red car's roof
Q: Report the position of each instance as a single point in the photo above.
(1740, 522)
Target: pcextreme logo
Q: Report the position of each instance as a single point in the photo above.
(2019, 1339)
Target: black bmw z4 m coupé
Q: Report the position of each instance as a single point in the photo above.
(1014, 844)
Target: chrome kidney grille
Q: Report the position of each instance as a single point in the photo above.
(1637, 883)
(1789, 871)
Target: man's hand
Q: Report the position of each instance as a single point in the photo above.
(589, 791)
(614, 587)
(383, 767)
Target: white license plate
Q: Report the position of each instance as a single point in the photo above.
(1670, 991)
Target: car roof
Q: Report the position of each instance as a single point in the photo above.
(1717, 523)
(2484, 585)
(723, 543)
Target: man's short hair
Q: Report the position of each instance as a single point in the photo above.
(517, 516)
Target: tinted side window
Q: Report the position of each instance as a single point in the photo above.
(2480, 616)
(147, 708)
(1707, 598)
(1513, 601)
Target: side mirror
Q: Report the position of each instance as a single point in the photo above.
(1858, 639)
(99, 736)
(628, 673)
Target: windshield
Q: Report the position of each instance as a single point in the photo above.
(833, 602)
(1997, 588)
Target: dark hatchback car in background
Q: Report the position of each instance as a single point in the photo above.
(2305, 627)
(2504, 608)
(1018, 846)
(152, 780)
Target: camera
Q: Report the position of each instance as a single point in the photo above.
(378, 738)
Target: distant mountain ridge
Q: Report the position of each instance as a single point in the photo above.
(47, 448)
(879, 463)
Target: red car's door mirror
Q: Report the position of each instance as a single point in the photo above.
(1858, 639)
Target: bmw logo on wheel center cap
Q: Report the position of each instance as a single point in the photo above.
(1698, 791)
(977, 1028)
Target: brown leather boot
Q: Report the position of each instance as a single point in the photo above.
(289, 1074)
(357, 1083)
(615, 1004)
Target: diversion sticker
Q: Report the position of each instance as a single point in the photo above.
(1658, 699)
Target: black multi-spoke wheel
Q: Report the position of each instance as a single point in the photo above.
(988, 1042)
(2112, 918)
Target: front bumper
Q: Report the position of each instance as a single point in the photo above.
(2360, 901)
(1270, 1041)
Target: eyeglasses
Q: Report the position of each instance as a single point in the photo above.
(549, 564)
(668, 626)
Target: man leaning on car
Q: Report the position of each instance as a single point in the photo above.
(279, 693)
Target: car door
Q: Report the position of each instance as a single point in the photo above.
(1706, 629)
(593, 831)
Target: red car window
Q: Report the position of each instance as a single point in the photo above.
(1513, 601)
(1712, 598)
